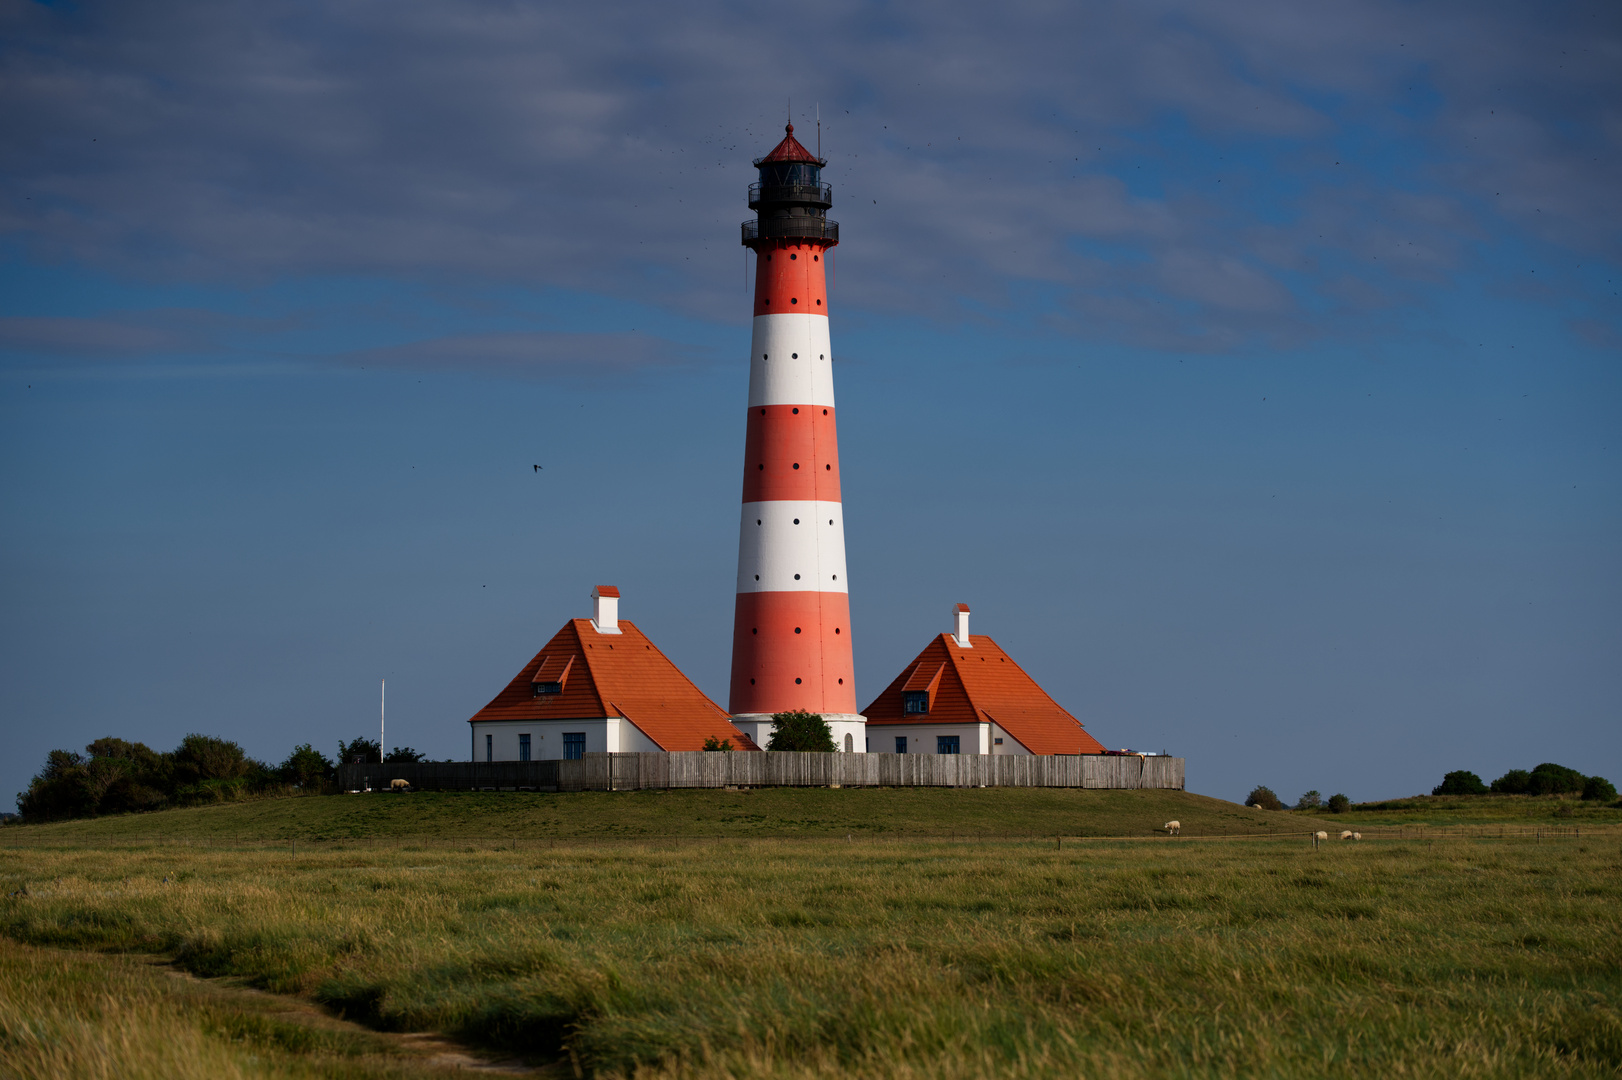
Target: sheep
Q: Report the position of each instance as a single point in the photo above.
(1346, 834)
(1175, 828)
(1256, 806)
(1320, 836)
(399, 785)
(1357, 836)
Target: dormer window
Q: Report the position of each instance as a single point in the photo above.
(915, 702)
(551, 674)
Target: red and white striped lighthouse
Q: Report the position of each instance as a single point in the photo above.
(791, 631)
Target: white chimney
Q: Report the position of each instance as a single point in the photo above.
(605, 609)
(960, 625)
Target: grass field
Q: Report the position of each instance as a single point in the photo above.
(780, 812)
(807, 956)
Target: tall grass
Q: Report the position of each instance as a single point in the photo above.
(817, 958)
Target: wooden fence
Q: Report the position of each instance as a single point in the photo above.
(698, 769)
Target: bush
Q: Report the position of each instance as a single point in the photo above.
(1514, 782)
(1310, 800)
(1339, 804)
(1461, 782)
(1597, 787)
(799, 730)
(403, 755)
(714, 744)
(362, 751)
(306, 768)
(1264, 798)
(1552, 779)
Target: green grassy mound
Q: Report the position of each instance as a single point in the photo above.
(765, 812)
(1486, 810)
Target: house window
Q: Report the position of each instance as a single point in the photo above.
(489, 748)
(946, 744)
(544, 688)
(523, 747)
(997, 742)
(915, 702)
(901, 744)
(574, 745)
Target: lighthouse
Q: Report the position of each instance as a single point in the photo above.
(791, 628)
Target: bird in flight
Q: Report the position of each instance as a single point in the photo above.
(537, 468)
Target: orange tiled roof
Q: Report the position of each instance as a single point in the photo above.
(620, 674)
(970, 686)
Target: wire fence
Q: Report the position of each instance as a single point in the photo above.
(18, 838)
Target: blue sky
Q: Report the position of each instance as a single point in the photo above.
(1252, 373)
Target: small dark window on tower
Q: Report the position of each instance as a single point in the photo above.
(796, 629)
(796, 464)
(794, 299)
(819, 303)
(796, 521)
(793, 256)
(796, 577)
(542, 689)
(794, 356)
(796, 682)
(915, 702)
(756, 630)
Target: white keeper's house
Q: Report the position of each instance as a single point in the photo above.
(964, 695)
(598, 685)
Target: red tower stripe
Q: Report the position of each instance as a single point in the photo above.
(791, 452)
(768, 655)
(791, 279)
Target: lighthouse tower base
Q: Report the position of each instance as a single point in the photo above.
(849, 729)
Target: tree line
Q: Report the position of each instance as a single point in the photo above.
(1546, 779)
(116, 776)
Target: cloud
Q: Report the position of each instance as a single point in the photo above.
(1164, 153)
(536, 354)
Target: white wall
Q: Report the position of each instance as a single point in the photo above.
(614, 735)
(972, 738)
(759, 727)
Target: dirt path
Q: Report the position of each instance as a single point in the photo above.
(423, 1048)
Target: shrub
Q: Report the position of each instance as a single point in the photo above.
(1310, 800)
(799, 730)
(1339, 804)
(1551, 779)
(1597, 787)
(200, 758)
(1460, 782)
(712, 743)
(306, 768)
(403, 755)
(1514, 782)
(1264, 798)
(362, 751)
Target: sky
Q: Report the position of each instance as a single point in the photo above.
(1253, 370)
